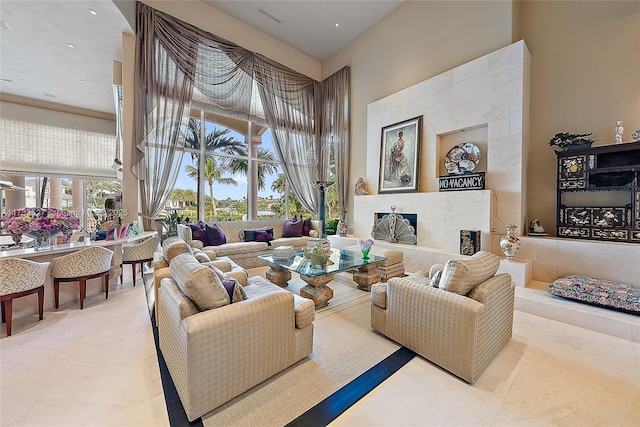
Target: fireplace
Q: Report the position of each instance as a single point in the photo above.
(395, 227)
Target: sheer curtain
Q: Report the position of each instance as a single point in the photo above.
(162, 105)
(191, 64)
(334, 133)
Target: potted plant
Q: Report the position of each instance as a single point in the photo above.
(572, 141)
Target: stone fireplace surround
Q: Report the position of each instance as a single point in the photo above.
(486, 102)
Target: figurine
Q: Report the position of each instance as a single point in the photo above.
(536, 229)
(361, 187)
(619, 132)
(636, 135)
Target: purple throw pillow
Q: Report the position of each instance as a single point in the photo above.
(264, 235)
(306, 227)
(215, 235)
(198, 232)
(229, 285)
(292, 228)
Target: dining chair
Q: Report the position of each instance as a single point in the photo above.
(19, 278)
(79, 267)
(139, 253)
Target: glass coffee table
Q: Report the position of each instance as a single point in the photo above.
(317, 277)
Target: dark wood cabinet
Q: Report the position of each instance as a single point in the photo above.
(598, 193)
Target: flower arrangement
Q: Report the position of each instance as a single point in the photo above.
(365, 247)
(37, 221)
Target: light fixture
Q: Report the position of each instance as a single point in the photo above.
(337, 25)
(83, 81)
(93, 12)
(71, 45)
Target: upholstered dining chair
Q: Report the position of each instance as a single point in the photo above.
(139, 254)
(79, 267)
(19, 278)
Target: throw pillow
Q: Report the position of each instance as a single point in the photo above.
(461, 276)
(234, 288)
(215, 234)
(198, 232)
(258, 235)
(292, 228)
(201, 256)
(306, 226)
(434, 282)
(199, 283)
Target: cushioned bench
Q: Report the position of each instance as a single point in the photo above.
(601, 292)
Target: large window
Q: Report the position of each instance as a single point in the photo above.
(223, 178)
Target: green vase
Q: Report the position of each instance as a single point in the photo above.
(365, 254)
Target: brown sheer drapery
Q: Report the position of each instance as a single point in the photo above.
(224, 78)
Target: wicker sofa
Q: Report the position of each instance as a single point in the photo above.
(215, 354)
(459, 329)
(244, 253)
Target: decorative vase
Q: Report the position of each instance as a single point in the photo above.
(342, 227)
(365, 254)
(40, 239)
(510, 243)
(16, 238)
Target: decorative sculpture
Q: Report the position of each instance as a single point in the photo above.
(619, 132)
(393, 228)
(361, 187)
(536, 229)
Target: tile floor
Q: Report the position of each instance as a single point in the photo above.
(98, 366)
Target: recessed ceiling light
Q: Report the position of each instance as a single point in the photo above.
(83, 81)
(93, 12)
(337, 25)
(71, 45)
(7, 80)
(5, 26)
(49, 95)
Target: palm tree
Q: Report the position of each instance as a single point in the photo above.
(213, 172)
(264, 168)
(218, 140)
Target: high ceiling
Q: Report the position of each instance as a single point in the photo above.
(37, 62)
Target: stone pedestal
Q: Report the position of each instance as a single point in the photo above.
(317, 289)
(366, 276)
(279, 276)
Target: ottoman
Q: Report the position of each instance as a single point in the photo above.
(601, 292)
(393, 266)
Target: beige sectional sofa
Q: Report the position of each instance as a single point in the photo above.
(215, 354)
(461, 325)
(244, 253)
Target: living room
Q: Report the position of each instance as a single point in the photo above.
(577, 82)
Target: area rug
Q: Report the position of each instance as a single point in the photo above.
(344, 346)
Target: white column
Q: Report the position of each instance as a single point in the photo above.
(79, 205)
(55, 193)
(252, 175)
(15, 199)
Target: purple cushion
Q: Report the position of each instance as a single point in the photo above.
(306, 227)
(229, 285)
(198, 232)
(215, 235)
(264, 235)
(292, 228)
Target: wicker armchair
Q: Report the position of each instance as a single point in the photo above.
(18, 278)
(139, 254)
(79, 267)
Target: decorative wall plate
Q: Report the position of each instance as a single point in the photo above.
(462, 158)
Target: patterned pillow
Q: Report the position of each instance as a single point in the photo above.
(198, 232)
(257, 235)
(461, 276)
(292, 228)
(201, 256)
(215, 234)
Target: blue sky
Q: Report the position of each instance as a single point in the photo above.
(224, 191)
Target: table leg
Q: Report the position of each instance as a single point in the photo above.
(279, 276)
(366, 276)
(317, 289)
